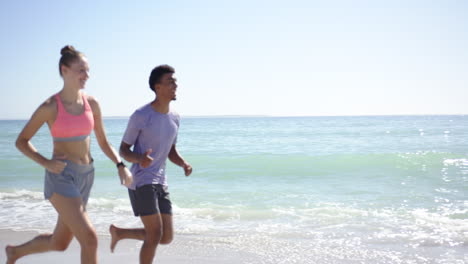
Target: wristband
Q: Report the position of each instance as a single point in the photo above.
(120, 164)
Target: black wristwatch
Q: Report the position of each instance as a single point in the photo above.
(120, 164)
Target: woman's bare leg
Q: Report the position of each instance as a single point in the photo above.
(73, 214)
(58, 241)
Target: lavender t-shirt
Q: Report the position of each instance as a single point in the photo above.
(149, 129)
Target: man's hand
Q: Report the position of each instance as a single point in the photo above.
(146, 159)
(187, 169)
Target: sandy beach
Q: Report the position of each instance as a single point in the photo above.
(182, 250)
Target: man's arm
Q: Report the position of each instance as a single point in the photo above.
(143, 159)
(175, 158)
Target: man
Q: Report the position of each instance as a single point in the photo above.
(152, 131)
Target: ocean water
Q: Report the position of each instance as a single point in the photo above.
(382, 189)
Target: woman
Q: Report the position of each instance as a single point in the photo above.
(71, 116)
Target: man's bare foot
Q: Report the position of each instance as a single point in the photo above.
(114, 237)
(10, 254)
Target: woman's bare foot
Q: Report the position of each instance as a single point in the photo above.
(114, 237)
(11, 255)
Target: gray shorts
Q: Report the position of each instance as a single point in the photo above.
(75, 180)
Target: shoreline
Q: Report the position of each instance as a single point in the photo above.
(183, 249)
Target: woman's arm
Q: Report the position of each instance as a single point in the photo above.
(43, 114)
(111, 153)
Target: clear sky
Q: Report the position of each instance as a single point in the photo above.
(286, 58)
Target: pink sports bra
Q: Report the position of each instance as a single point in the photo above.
(68, 127)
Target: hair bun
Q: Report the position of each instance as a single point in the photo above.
(67, 49)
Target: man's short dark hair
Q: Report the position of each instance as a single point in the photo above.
(157, 73)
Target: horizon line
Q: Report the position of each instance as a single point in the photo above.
(270, 116)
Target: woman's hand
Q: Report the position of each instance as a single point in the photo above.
(56, 165)
(125, 176)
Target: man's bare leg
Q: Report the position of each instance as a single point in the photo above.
(118, 233)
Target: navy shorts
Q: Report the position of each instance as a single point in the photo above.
(150, 199)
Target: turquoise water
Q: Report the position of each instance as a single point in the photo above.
(388, 189)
